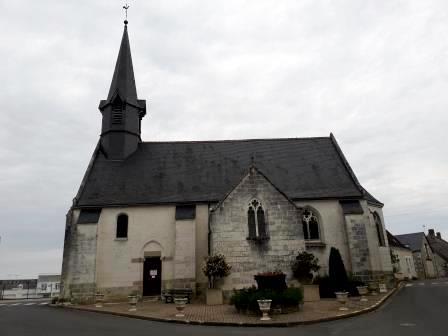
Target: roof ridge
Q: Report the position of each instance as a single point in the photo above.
(235, 140)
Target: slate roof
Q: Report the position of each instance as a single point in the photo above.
(372, 200)
(394, 242)
(413, 240)
(438, 246)
(205, 171)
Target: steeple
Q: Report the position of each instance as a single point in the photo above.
(123, 81)
(122, 111)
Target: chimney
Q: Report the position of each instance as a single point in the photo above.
(431, 232)
(439, 235)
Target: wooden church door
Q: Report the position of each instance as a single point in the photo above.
(152, 276)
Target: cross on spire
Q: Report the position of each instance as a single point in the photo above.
(126, 7)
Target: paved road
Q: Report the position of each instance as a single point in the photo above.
(418, 309)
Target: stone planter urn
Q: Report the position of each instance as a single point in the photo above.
(342, 298)
(180, 306)
(99, 299)
(133, 302)
(373, 289)
(382, 287)
(363, 291)
(265, 306)
(214, 297)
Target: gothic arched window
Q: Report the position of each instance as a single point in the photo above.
(310, 224)
(379, 229)
(122, 226)
(256, 220)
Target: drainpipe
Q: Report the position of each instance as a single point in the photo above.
(209, 247)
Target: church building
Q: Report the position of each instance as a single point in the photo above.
(147, 213)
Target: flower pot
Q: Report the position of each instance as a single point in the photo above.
(132, 302)
(373, 288)
(265, 306)
(180, 306)
(363, 291)
(214, 297)
(99, 299)
(311, 293)
(342, 298)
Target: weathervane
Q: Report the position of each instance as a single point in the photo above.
(126, 7)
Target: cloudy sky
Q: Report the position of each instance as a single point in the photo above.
(373, 72)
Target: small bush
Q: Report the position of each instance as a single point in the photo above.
(336, 270)
(271, 280)
(245, 300)
(326, 288)
(352, 284)
(215, 267)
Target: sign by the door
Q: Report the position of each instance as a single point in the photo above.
(153, 273)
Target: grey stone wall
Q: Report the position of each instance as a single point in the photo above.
(358, 245)
(229, 232)
(79, 258)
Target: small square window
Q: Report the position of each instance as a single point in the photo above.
(185, 212)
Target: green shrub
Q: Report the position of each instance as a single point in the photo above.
(215, 267)
(352, 284)
(327, 287)
(245, 300)
(271, 280)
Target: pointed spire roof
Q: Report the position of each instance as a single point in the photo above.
(123, 81)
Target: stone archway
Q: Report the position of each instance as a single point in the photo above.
(152, 253)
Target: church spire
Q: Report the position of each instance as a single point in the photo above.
(123, 80)
(122, 111)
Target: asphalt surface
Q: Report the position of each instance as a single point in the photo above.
(420, 308)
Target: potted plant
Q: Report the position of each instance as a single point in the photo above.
(133, 298)
(215, 267)
(302, 269)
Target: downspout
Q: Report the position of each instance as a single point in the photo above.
(209, 246)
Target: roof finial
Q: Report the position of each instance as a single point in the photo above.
(126, 7)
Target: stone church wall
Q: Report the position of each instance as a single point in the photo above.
(370, 261)
(229, 230)
(332, 232)
(185, 254)
(78, 275)
(152, 231)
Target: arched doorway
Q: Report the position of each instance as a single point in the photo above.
(152, 269)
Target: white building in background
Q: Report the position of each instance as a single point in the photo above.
(18, 289)
(403, 259)
(48, 285)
